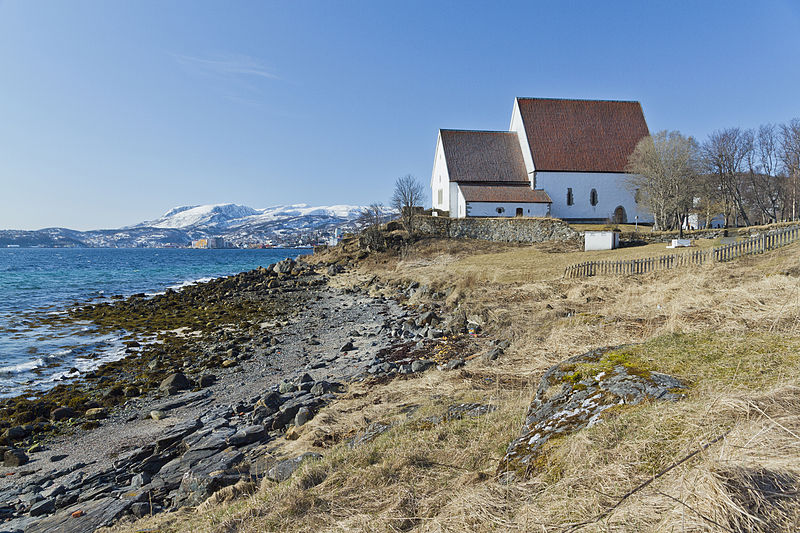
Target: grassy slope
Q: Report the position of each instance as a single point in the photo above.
(730, 330)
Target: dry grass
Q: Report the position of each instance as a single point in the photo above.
(731, 331)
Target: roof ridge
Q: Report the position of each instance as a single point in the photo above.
(577, 99)
(477, 131)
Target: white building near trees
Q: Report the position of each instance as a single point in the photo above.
(563, 158)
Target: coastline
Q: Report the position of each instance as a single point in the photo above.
(260, 353)
(38, 284)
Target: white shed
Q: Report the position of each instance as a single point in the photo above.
(600, 240)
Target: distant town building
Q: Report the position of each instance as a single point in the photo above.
(210, 242)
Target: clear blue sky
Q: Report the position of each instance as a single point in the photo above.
(112, 112)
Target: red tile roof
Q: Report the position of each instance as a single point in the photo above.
(483, 156)
(581, 135)
(504, 193)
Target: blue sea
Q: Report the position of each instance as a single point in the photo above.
(37, 282)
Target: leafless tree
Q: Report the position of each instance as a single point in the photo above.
(371, 215)
(724, 154)
(790, 159)
(408, 194)
(709, 199)
(663, 168)
(765, 186)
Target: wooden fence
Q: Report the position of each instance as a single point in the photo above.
(754, 245)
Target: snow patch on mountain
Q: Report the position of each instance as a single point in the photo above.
(224, 216)
(201, 215)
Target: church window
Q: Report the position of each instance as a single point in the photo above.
(593, 197)
(439, 196)
(570, 200)
(500, 210)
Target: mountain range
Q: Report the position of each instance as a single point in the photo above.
(239, 225)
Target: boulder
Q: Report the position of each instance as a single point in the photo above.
(285, 387)
(283, 470)
(285, 266)
(14, 457)
(206, 380)
(43, 507)
(197, 487)
(15, 433)
(492, 354)
(323, 387)
(62, 413)
(452, 364)
(575, 393)
(303, 415)
(140, 509)
(428, 318)
(247, 435)
(421, 365)
(96, 413)
(176, 381)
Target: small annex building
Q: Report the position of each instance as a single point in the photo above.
(482, 174)
(573, 156)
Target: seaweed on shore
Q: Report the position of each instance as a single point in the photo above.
(194, 330)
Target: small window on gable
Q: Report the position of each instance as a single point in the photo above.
(593, 197)
(439, 196)
(570, 199)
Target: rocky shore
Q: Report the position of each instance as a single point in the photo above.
(216, 375)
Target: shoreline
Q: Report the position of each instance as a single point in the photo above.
(49, 294)
(296, 345)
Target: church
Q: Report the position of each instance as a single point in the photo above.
(560, 158)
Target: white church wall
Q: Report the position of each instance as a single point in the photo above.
(454, 198)
(440, 179)
(507, 209)
(611, 193)
(518, 127)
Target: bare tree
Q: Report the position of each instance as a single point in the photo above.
(408, 194)
(790, 158)
(663, 169)
(763, 161)
(710, 199)
(371, 215)
(724, 154)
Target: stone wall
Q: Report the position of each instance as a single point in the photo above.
(520, 229)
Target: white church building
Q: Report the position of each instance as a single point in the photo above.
(562, 158)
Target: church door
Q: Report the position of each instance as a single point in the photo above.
(619, 215)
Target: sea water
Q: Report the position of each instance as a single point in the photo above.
(41, 282)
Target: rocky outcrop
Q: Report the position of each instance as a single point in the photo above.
(183, 466)
(575, 394)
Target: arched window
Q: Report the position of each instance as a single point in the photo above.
(570, 199)
(593, 197)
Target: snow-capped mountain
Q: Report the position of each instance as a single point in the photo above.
(233, 215)
(239, 225)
